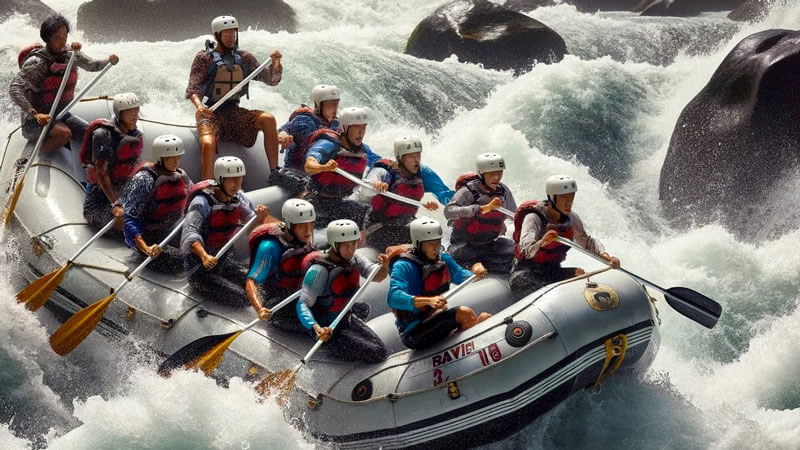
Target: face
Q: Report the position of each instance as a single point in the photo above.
(492, 179)
(347, 249)
(356, 133)
(232, 185)
(171, 163)
(431, 249)
(410, 161)
(329, 109)
(129, 117)
(564, 202)
(303, 232)
(228, 37)
(58, 40)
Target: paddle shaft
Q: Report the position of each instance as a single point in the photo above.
(228, 244)
(91, 240)
(274, 309)
(83, 91)
(397, 197)
(149, 259)
(341, 315)
(46, 128)
(241, 85)
(451, 293)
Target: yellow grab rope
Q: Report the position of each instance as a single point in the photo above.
(616, 347)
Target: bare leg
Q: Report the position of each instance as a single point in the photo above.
(208, 147)
(267, 124)
(579, 271)
(467, 319)
(58, 137)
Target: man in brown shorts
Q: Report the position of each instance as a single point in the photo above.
(215, 71)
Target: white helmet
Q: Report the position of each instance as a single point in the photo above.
(323, 93)
(167, 145)
(489, 162)
(559, 185)
(405, 145)
(352, 116)
(228, 167)
(342, 230)
(296, 211)
(128, 100)
(224, 23)
(424, 229)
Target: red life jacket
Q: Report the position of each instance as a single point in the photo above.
(386, 210)
(167, 199)
(435, 281)
(331, 184)
(553, 253)
(482, 228)
(343, 282)
(42, 99)
(225, 218)
(290, 270)
(126, 157)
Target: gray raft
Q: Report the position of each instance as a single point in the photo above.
(483, 384)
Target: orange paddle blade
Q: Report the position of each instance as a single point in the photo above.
(209, 360)
(13, 203)
(79, 326)
(38, 292)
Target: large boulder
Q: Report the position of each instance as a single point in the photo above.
(589, 6)
(734, 155)
(684, 8)
(482, 32)
(751, 10)
(36, 10)
(177, 20)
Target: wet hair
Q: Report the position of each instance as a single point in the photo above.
(51, 25)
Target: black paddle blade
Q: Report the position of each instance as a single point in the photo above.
(694, 305)
(191, 351)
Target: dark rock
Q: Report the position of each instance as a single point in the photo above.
(482, 32)
(736, 146)
(36, 10)
(684, 8)
(588, 6)
(751, 10)
(177, 20)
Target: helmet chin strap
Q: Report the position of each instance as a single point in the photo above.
(222, 188)
(350, 143)
(562, 216)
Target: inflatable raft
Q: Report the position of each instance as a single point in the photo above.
(482, 384)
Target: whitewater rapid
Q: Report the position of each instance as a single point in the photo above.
(603, 115)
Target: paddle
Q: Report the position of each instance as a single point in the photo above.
(239, 86)
(81, 324)
(39, 291)
(206, 352)
(228, 244)
(688, 302)
(451, 293)
(397, 197)
(45, 130)
(285, 380)
(83, 91)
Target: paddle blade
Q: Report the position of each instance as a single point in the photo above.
(192, 351)
(694, 305)
(38, 292)
(283, 382)
(79, 326)
(209, 360)
(13, 202)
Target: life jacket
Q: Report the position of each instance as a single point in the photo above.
(343, 282)
(553, 253)
(290, 269)
(168, 198)
(295, 158)
(126, 158)
(225, 218)
(331, 184)
(43, 97)
(482, 228)
(222, 77)
(386, 210)
(435, 281)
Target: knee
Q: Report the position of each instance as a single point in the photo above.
(464, 313)
(61, 132)
(267, 120)
(207, 142)
(579, 271)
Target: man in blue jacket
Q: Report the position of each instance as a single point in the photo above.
(387, 223)
(418, 280)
